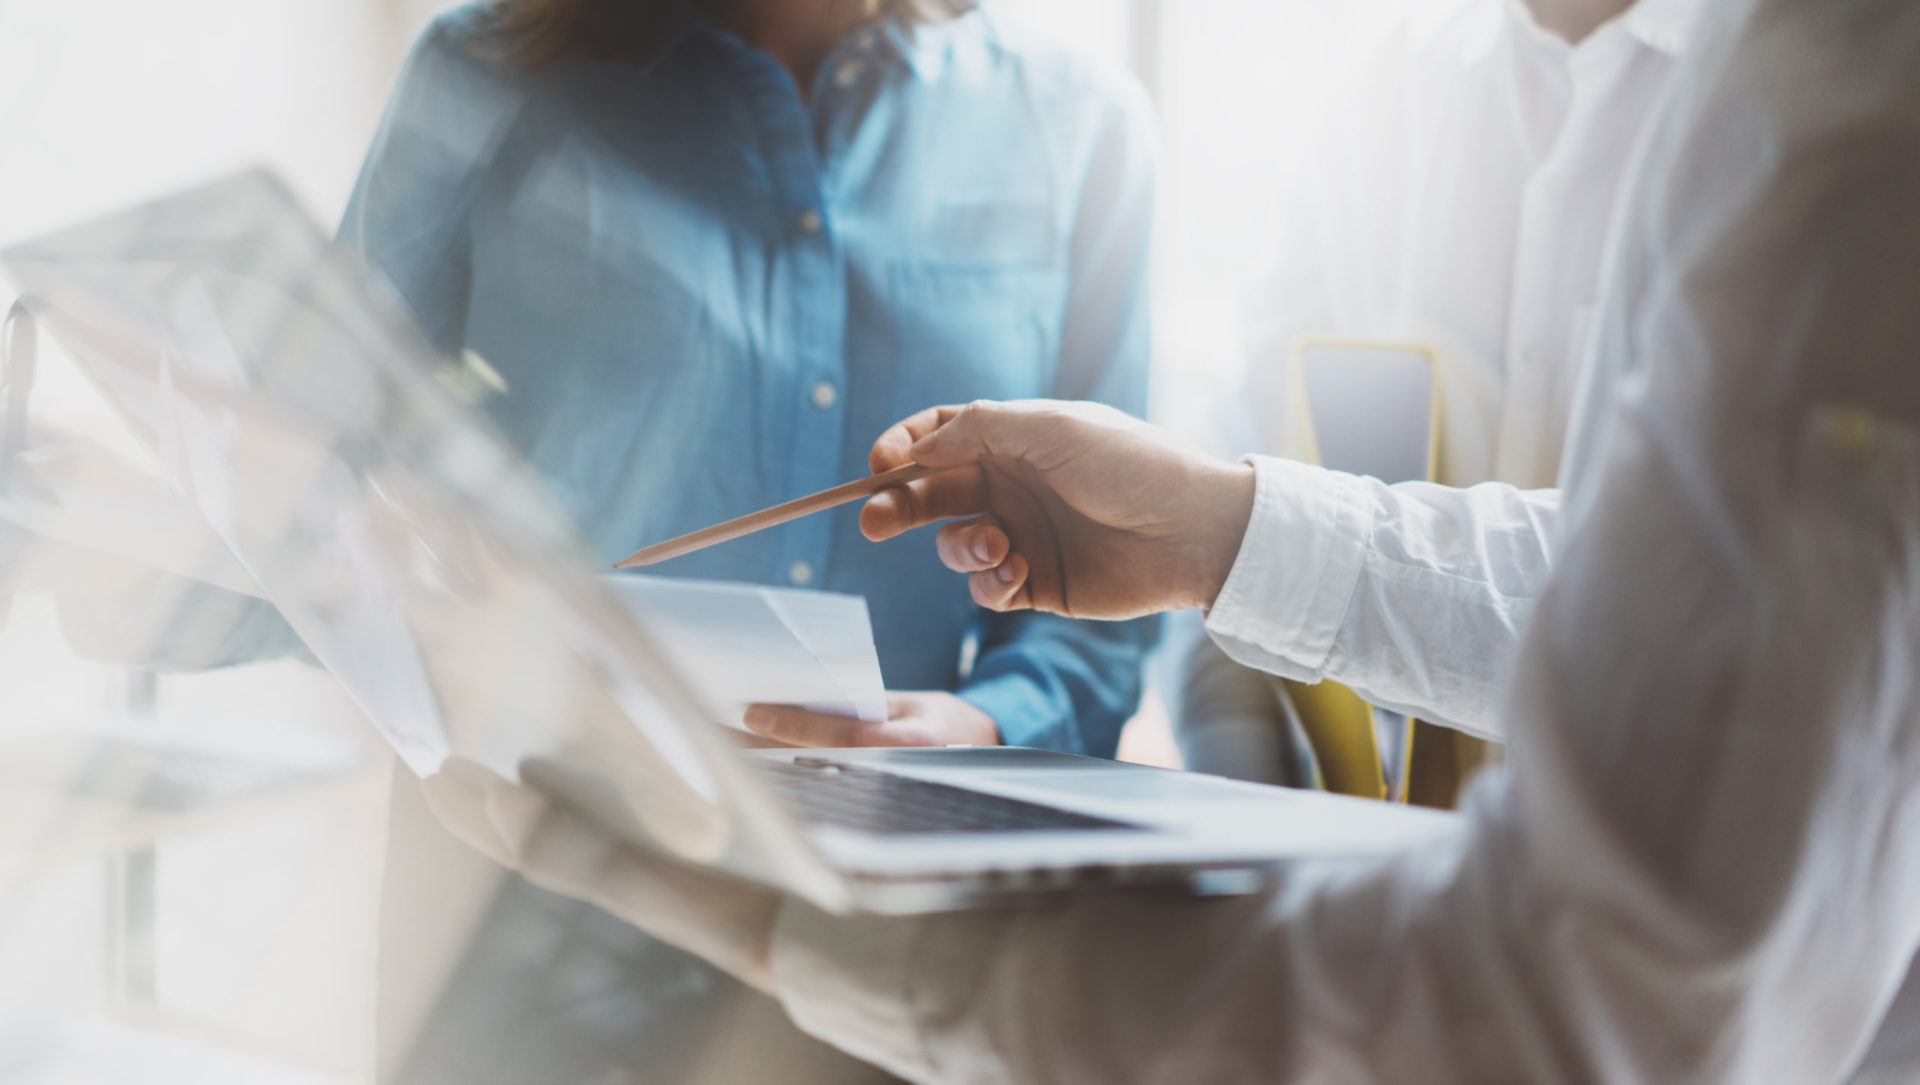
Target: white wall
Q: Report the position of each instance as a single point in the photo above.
(263, 925)
(104, 102)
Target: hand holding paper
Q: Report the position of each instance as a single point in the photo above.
(745, 645)
(913, 719)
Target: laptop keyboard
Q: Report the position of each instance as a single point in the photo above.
(872, 801)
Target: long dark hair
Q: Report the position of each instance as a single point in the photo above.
(537, 33)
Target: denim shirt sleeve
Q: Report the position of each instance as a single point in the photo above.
(409, 211)
(1055, 682)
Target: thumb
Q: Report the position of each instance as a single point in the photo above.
(487, 812)
(984, 428)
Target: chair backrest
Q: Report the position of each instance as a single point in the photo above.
(1369, 408)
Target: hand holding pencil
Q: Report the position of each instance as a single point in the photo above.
(1071, 508)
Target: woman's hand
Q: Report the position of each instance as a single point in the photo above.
(913, 719)
(1073, 508)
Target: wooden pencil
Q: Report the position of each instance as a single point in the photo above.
(778, 514)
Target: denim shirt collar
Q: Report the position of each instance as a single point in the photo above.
(922, 48)
(926, 47)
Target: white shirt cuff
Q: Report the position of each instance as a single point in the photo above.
(1283, 604)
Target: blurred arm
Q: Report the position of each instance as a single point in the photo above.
(1703, 866)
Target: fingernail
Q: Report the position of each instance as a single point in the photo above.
(982, 549)
(759, 719)
(1004, 572)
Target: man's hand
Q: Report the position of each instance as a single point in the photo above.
(712, 915)
(913, 719)
(1074, 508)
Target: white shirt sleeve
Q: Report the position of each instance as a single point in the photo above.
(1413, 595)
(1704, 864)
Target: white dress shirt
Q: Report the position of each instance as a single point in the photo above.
(1460, 199)
(1459, 196)
(1704, 864)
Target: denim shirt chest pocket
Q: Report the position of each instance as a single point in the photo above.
(978, 303)
(651, 361)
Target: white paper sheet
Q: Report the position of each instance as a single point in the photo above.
(745, 644)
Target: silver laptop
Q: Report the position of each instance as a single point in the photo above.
(341, 461)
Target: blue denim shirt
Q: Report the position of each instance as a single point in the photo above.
(707, 294)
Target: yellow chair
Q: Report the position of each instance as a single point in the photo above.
(1373, 408)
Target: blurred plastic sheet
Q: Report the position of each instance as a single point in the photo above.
(190, 849)
(297, 411)
(78, 493)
